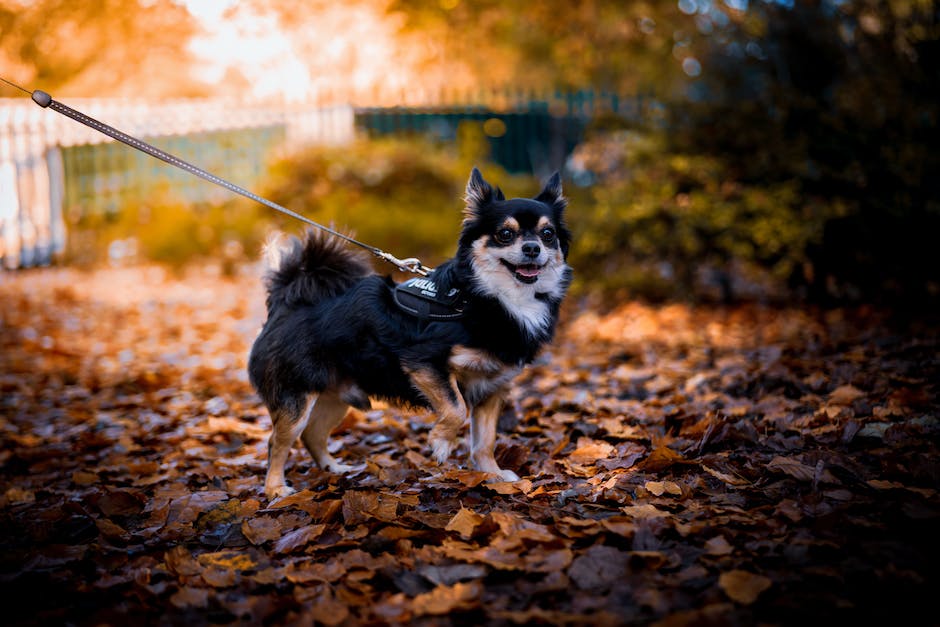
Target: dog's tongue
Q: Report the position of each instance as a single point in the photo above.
(528, 271)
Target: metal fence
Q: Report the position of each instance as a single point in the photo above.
(52, 167)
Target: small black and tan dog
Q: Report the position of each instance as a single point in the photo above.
(336, 335)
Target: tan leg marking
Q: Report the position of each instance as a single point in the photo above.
(483, 437)
(449, 406)
(327, 412)
(288, 426)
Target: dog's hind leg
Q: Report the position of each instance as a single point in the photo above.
(450, 406)
(483, 438)
(288, 421)
(327, 412)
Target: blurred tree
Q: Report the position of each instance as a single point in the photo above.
(842, 97)
(99, 47)
(621, 46)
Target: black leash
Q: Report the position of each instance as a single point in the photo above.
(44, 100)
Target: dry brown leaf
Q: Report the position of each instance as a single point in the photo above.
(643, 511)
(181, 562)
(598, 568)
(732, 480)
(293, 500)
(446, 599)
(522, 486)
(661, 458)
(469, 478)
(743, 586)
(229, 560)
(261, 529)
(589, 451)
(298, 538)
(326, 609)
(718, 546)
(800, 471)
(658, 488)
(307, 571)
(464, 522)
(845, 395)
(189, 596)
(220, 577)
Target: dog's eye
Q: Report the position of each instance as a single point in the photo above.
(547, 234)
(504, 236)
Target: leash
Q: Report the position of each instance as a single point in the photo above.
(44, 100)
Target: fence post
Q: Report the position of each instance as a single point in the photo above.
(9, 196)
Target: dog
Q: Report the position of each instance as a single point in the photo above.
(336, 335)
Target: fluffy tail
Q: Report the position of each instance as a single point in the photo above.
(321, 266)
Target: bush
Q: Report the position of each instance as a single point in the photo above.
(168, 230)
(662, 224)
(403, 195)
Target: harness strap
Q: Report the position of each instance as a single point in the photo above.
(419, 297)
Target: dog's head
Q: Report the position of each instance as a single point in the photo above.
(517, 248)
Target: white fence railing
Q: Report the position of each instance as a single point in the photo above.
(33, 176)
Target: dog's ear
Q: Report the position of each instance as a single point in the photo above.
(552, 194)
(479, 193)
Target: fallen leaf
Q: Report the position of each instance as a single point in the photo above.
(598, 568)
(800, 471)
(181, 562)
(298, 538)
(660, 459)
(643, 511)
(19, 496)
(589, 451)
(261, 529)
(446, 599)
(464, 522)
(743, 586)
(453, 573)
(658, 488)
(522, 486)
(718, 546)
(228, 560)
(845, 395)
(732, 480)
(188, 597)
(307, 571)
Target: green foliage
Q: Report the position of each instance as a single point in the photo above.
(400, 194)
(168, 230)
(664, 224)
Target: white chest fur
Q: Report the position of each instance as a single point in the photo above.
(526, 303)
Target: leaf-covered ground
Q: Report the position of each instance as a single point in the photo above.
(681, 466)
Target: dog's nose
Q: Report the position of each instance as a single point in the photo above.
(531, 249)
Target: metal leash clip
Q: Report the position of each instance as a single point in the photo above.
(410, 264)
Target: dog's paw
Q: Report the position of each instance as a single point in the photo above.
(278, 491)
(506, 475)
(338, 468)
(441, 449)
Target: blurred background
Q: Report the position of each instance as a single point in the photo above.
(712, 150)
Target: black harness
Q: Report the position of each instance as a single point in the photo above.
(420, 297)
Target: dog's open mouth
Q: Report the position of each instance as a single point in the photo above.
(524, 272)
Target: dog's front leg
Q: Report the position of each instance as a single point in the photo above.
(449, 405)
(483, 438)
